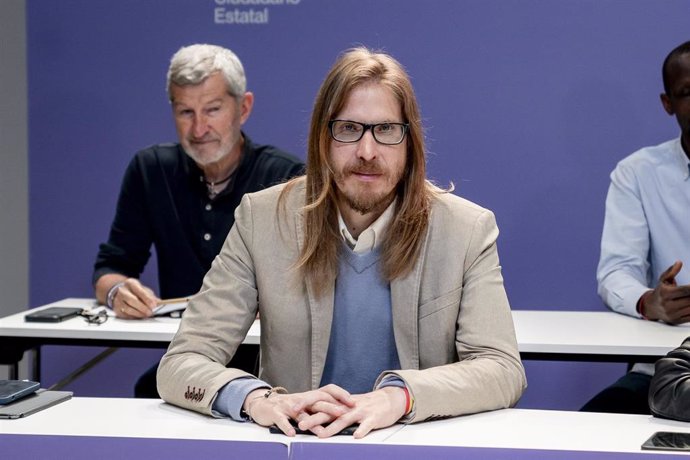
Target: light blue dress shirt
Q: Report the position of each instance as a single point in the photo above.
(647, 225)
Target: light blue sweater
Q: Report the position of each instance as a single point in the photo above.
(362, 344)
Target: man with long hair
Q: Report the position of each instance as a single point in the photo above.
(381, 295)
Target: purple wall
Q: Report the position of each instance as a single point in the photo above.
(528, 106)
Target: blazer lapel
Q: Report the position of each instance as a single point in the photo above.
(405, 300)
(321, 309)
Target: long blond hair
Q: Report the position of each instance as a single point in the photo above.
(319, 257)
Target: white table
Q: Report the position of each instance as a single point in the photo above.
(593, 336)
(134, 333)
(141, 418)
(540, 429)
(17, 335)
(541, 334)
(509, 428)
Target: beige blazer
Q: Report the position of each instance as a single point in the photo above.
(451, 319)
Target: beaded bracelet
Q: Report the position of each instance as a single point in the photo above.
(269, 392)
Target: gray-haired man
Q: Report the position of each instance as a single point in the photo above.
(181, 197)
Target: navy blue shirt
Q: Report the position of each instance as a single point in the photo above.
(164, 202)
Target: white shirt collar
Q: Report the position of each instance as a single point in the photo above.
(372, 237)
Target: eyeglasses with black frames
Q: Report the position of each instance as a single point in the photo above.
(348, 131)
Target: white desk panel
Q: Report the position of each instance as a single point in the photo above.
(150, 418)
(539, 429)
(508, 428)
(594, 333)
(156, 329)
(539, 332)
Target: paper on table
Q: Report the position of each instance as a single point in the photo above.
(169, 306)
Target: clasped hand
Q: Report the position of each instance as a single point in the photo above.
(328, 410)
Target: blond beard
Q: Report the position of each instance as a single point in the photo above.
(364, 201)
